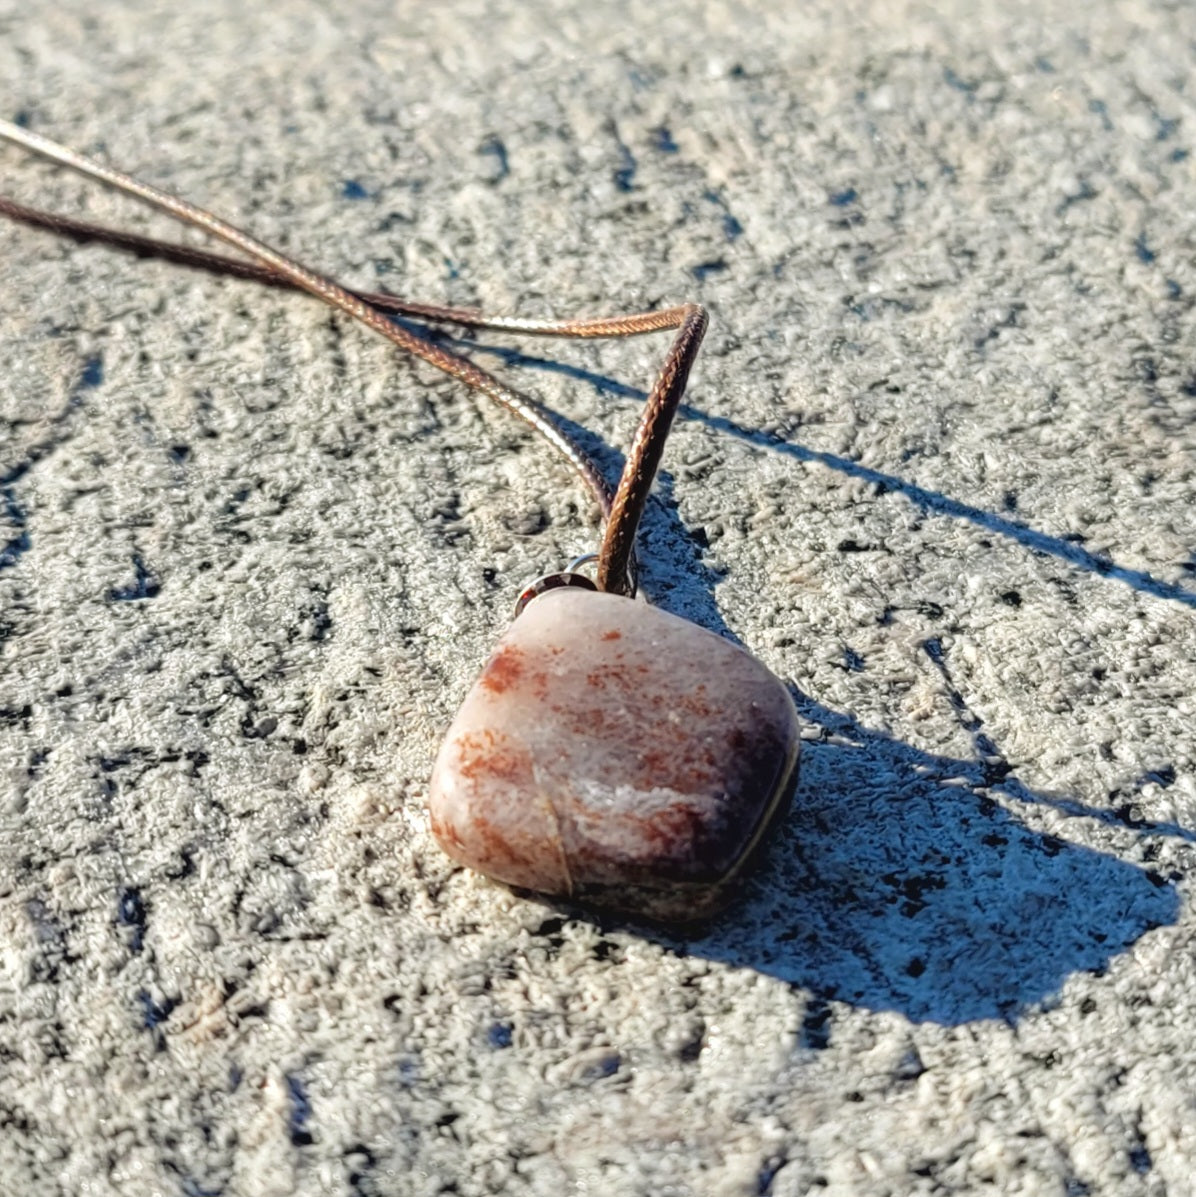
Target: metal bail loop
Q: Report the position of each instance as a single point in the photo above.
(567, 577)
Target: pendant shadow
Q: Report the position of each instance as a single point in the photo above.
(930, 501)
(900, 882)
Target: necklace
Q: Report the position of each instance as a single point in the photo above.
(609, 753)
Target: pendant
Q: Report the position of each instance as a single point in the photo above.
(615, 755)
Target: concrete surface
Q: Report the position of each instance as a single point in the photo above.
(938, 468)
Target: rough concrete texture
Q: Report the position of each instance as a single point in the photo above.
(938, 468)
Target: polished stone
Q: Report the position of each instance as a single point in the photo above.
(617, 755)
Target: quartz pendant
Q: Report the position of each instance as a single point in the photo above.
(615, 755)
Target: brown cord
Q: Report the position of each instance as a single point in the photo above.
(622, 512)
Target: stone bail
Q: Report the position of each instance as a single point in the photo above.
(617, 755)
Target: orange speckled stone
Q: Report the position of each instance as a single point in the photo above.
(616, 755)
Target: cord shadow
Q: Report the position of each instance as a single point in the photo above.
(928, 500)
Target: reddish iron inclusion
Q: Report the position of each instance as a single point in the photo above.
(616, 755)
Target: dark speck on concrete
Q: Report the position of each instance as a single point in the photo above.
(190, 1187)
(840, 199)
(1086, 192)
(130, 912)
(1164, 776)
(624, 174)
(705, 269)
(17, 546)
(909, 1067)
(662, 140)
(300, 1112)
(959, 84)
(500, 1035)
(1144, 252)
(154, 1014)
(606, 1066)
(394, 220)
(1165, 126)
(1099, 108)
(145, 585)
(351, 189)
(493, 147)
(816, 1025)
(641, 79)
(768, 1173)
(731, 226)
(93, 373)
